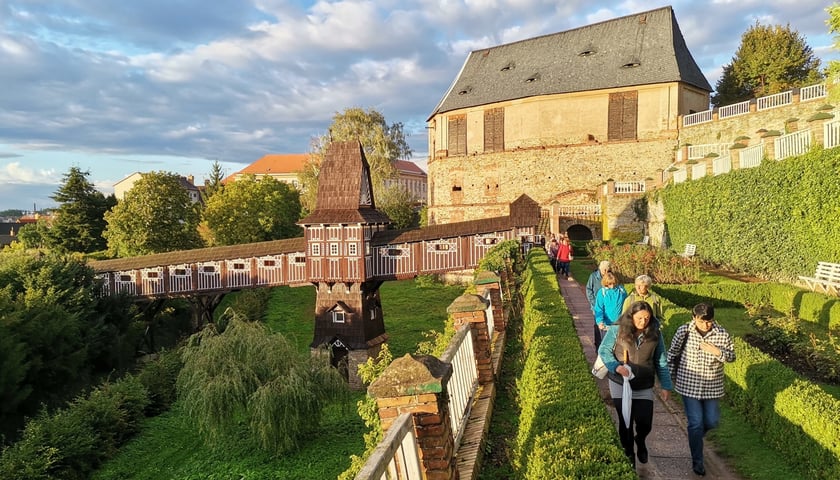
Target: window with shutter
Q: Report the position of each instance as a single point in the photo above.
(623, 116)
(494, 130)
(457, 135)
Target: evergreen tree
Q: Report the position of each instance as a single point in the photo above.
(213, 183)
(80, 220)
(253, 210)
(155, 216)
(770, 59)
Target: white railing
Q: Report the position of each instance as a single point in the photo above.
(700, 151)
(396, 456)
(464, 381)
(721, 165)
(629, 187)
(698, 171)
(831, 134)
(777, 100)
(579, 210)
(695, 118)
(680, 175)
(734, 110)
(751, 156)
(795, 143)
(812, 92)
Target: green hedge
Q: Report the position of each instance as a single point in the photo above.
(776, 220)
(564, 431)
(814, 307)
(794, 416)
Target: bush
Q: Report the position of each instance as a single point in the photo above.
(630, 261)
(159, 377)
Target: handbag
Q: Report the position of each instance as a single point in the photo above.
(571, 257)
(675, 363)
(599, 370)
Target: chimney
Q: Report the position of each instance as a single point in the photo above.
(191, 179)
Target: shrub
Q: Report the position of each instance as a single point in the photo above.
(664, 266)
(159, 377)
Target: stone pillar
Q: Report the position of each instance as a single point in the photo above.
(490, 282)
(417, 385)
(468, 312)
(735, 156)
(770, 147)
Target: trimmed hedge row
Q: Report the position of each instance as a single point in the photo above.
(564, 430)
(810, 306)
(794, 416)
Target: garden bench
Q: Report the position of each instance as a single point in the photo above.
(644, 241)
(826, 278)
(690, 248)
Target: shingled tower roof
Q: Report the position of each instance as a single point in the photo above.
(640, 49)
(345, 194)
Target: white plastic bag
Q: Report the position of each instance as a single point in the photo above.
(627, 397)
(599, 370)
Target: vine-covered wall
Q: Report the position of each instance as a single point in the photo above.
(775, 221)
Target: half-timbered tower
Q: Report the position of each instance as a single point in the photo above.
(348, 311)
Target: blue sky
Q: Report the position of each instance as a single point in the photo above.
(115, 87)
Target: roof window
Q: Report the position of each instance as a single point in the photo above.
(533, 78)
(465, 91)
(632, 64)
(510, 66)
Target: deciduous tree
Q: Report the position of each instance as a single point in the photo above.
(155, 216)
(252, 377)
(833, 69)
(398, 203)
(253, 210)
(80, 219)
(770, 59)
(382, 143)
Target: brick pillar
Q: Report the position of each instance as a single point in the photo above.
(417, 385)
(490, 282)
(468, 311)
(770, 147)
(817, 132)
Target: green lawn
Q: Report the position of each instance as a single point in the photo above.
(169, 448)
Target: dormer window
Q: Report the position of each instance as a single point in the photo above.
(632, 64)
(510, 66)
(586, 53)
(338, 316)
(465, 91)
(533, 78)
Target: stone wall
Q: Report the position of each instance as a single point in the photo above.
(480, 186)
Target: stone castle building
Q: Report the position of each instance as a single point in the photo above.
(565, 119)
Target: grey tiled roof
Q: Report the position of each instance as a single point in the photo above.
(593, 57)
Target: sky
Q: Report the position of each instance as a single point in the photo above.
(116, 87)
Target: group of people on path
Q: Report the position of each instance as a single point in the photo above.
(630, 344)
(560, 254)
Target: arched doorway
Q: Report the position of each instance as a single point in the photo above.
(578, 232)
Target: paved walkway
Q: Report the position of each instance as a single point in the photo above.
(669, 457)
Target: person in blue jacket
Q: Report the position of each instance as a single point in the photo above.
(609, 303)
(636, 342)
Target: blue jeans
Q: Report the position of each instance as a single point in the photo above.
(702, 416)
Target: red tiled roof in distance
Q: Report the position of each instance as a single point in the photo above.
(273, 164)
(404, 166)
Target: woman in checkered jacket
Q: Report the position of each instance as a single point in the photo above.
(697, 354)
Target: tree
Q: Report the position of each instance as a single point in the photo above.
(398, 203)
(80, 220)
(156, 216)
(382, 143)
(770, 59)
(213, 184)
(248, 376)
(833, 70)
(34, 235)
(253, 210)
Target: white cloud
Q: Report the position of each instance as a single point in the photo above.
(14, 172)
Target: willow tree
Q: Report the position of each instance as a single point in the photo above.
(382, 143)
(250, 376)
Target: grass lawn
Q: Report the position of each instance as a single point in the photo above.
(169, 448)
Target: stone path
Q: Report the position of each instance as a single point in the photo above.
(669, 457)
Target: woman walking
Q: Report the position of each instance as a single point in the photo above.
(608, 304)
(637, 342)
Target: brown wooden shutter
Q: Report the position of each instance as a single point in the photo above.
(494, 130)
(457, 135)
(623, 116)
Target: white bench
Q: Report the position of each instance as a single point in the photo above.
(825, 279)
(644, 241)
(689, 251)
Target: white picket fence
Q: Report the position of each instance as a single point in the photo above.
(791, 144)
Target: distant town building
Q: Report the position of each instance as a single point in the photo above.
(283, 167)
(412, 178)
(127, 183)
